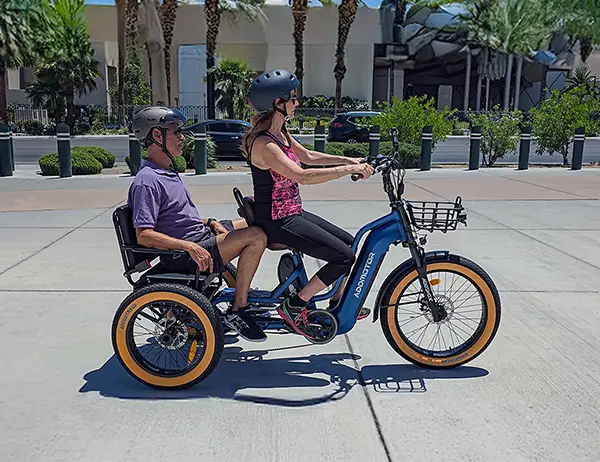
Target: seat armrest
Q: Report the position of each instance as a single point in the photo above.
(140, 249)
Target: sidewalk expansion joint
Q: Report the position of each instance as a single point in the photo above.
(58, 239)
(368, 398)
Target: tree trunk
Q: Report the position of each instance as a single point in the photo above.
(70, 111)
(168, 14)
(392, 82)
(299, 12)
(347, 13)
(467, 82)
(507, 81)
(3, 104)
(121, 60)
(149, 58)
(480, 81)
(159, 85)
(487, 94)
(518, 81)
(213, 18)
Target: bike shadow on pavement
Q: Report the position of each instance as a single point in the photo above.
(295, 380)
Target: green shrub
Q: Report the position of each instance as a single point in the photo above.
(105, 157)
(33, 127)
(499, 133)
(82, 164)
(190, 154)
(555, 121)
(410, 116)
(180, 162)
(410, 154)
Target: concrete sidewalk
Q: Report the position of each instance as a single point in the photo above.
(26, 191)
(533, 395)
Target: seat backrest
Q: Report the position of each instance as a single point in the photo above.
(245, 207)
(123, 222)
(125, 231)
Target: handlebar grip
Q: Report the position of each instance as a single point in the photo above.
(356, 176)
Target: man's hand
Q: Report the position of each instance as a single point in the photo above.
(201, 256)
(218, 228)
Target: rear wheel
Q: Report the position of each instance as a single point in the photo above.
(470, 304)
(167, 336)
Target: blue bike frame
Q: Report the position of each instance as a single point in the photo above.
(383, 232)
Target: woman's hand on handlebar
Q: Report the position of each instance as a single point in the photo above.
(362, 170)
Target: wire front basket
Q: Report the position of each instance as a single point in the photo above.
(436, 216)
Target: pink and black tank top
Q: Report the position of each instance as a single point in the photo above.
(275, 196)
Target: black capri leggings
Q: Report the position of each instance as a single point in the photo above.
(314, 236)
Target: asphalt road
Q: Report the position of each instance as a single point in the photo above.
(454, 150)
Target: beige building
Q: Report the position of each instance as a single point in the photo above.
(264, 44)
(267, 44)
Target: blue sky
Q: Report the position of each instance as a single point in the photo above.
(371, 3)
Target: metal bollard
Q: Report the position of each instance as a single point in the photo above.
(63, 141)
(320, 138)
(374, 140)
(200, 149)
(524, 148)
(6, 168)
(426, 143)
(12, 148)
(135, 153)
(475, 145)
(578, 142)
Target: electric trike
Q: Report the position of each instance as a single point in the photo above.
(437, 309)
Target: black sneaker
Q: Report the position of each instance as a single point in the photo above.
(243, 323)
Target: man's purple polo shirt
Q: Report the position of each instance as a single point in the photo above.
(160, 200)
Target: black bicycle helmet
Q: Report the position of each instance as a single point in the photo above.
(266, 88)
(156, 117)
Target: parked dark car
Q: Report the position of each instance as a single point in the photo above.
(345, 127)
(227, 135)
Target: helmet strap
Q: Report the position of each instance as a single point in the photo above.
(163, 146)
(286, 117)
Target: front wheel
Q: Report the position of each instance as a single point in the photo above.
(468, 299)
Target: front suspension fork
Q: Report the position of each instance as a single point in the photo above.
(420, 261)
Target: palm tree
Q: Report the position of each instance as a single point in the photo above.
(581, 19)
(168, 15)
(346, 14)
(512, 28)
(213, 9)
(21, 40)
(121, 20)
(233, 78)
(69, 65)
(151, 33)
(300, 13)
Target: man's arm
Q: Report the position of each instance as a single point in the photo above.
(145, 209)
(320, 158)
(146, 206)
(148, 237)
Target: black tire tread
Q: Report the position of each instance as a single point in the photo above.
(193, 295)
(459, 260)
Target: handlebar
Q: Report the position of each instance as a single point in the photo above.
(380, 160)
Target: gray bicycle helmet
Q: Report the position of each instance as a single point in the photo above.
(266, 88)
(156, 117)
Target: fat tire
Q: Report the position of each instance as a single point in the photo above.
(405, 271)
(195, 296)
